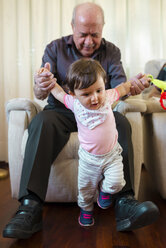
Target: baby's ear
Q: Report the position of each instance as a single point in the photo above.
(71, 93)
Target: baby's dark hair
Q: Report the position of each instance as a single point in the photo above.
(83, 73)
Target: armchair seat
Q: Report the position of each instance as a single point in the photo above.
(62, 186)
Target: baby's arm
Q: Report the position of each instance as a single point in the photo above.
(57, 91)
(124, 89)
(135, 86)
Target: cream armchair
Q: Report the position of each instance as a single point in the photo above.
(154, 123)
(62, 185)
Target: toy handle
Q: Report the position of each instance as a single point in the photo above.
(163, 96)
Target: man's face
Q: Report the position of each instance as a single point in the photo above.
(87, 36)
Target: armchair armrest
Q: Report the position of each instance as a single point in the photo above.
(131, 105)
(133, 109)
(23, 104)
(153, 105)
(20, 112)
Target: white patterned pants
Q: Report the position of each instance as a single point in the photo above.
(103, 171)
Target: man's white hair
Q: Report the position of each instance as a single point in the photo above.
(75, 10)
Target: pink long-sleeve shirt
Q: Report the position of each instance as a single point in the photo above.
(97, 131)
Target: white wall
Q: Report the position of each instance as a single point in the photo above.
(26, 26)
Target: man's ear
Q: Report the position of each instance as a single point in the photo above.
(72, 26)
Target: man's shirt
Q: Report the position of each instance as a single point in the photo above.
(62, 52)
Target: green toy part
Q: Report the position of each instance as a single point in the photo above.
(161, 85)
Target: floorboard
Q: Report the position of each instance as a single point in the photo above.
(61, 228)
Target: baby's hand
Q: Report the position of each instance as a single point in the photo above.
(44, 82)
(43, 69)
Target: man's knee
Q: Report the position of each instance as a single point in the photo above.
(44, 118)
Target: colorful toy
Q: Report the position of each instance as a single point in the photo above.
(161, 85)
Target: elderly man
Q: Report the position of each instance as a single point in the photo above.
(50, 129)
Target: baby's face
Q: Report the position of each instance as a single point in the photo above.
(92, 97)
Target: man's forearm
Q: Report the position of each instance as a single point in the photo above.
(40, 94)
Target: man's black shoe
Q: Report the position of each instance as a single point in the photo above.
(131, 214)
(27, 221)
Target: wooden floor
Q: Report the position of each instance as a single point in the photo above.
(61, 229)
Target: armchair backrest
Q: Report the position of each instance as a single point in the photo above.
(153, 66)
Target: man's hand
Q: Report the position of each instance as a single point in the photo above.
(44, 82)
(139, 83)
